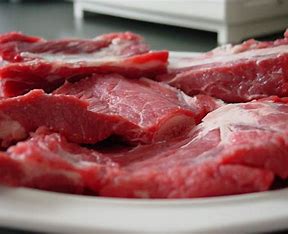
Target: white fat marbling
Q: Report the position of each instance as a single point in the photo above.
(265, 52)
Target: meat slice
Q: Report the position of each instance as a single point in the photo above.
(30, 62)
(263, 136)
(185, 169)
(103, 105)
(18, 47)
(240, 73)
(236, 149)
(47, 161)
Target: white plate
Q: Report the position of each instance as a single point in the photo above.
(30, 209)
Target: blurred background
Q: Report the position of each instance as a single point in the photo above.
(176, 25)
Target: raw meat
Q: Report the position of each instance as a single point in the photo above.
(103, 105)
(234, 150)
(185, 169)
(30, 62)
(18, 47)
(240, 73)
(182, 151)
(47, 161)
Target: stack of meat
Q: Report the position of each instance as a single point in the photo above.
(109, 117)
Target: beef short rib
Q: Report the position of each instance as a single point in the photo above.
(238, 73)
(33, 63)
(139, 111)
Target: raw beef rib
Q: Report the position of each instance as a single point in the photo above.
(241, 73)
(103, 105)
(30, 62)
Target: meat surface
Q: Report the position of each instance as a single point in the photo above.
(240, 73)
(139, 111)
(34, 63)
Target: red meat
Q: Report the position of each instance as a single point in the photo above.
(30, 62)
(47, 161)
(100, 106)
(240, 73)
